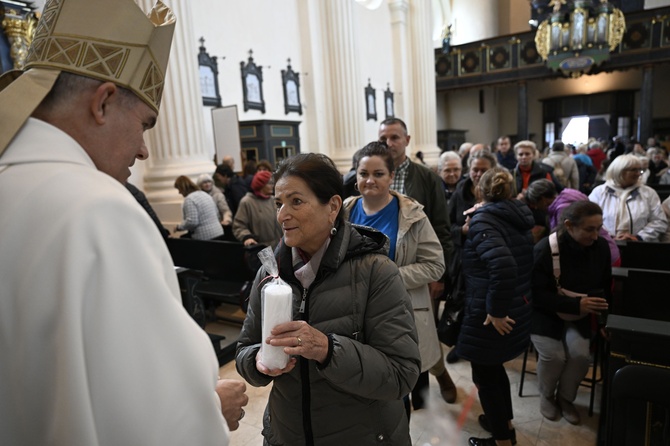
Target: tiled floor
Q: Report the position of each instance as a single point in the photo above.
(438, 424)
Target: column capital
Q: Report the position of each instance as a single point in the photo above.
(398, 9)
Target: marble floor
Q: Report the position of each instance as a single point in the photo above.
(452, 424)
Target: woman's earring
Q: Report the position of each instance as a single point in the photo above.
(333, 231)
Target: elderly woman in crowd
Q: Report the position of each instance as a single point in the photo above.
(463, 199)
(561, 330)
(631, 210)
(414, 247)
(449, 169)
(497, 263)
(206, 184)
(256, 218)
(352, 340)
(201, 217)
(539, 196)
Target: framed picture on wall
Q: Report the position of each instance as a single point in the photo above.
(370, 102)
(209, 77)
(389, 106)
(291, 84)
(252, 85)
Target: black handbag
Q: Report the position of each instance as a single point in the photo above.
(449, 327)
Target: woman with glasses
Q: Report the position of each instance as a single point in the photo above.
(631, 210)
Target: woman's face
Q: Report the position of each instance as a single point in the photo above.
(451, 172)
(305, 221)
(524, 156)
(206, 186)
(631, 175)
(373, 177)
(478, 167)
(587, 232)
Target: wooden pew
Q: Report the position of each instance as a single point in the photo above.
(212, 272)
(645, 255)
(224, 266)
(663, 190)
(641, 293)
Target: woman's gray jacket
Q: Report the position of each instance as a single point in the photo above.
(355, 397)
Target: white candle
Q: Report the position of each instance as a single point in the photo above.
(277, 309)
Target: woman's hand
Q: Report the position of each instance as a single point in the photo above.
(625, 236)
(274, 372)
(503, 325)
(592, 305)
(250, 241)
(300, 338)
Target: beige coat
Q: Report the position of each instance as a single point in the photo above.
(420, 260)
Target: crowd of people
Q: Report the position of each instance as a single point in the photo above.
(98, 349)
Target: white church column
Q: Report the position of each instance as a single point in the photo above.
(424, 116)
(399, 10)
(345, 83)
(177, 144)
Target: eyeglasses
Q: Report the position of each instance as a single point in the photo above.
(634, 169)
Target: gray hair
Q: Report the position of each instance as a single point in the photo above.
(539, 189)
(447, 156)
(485, 155)
(464, 149)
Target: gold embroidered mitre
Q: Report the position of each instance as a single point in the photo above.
(105, 40)
(102, 39)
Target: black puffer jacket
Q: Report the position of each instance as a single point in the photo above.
(360, 301)
(498, 266)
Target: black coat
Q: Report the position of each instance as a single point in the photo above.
(498, 264)
(583, 270)
(538, 171)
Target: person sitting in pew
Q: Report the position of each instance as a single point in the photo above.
(201, 217)
(561, 328)
(206, 183)
(631, 210)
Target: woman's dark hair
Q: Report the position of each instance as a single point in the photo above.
(495, 185)
(264, 164)
(249, 167)
(318, 172)
(185, 186)
(539, 189)
(576, 213)
(376, 148)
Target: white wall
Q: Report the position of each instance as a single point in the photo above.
(376, 62)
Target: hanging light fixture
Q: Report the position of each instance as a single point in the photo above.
(581, 38)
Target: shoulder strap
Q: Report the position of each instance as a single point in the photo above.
(555, 257)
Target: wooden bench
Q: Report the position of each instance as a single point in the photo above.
(641, 293)
(212, 273)
(645, 255)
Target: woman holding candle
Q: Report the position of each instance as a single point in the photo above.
(353, 339)
(414, 247)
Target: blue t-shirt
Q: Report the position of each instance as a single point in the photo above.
(385, 221)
